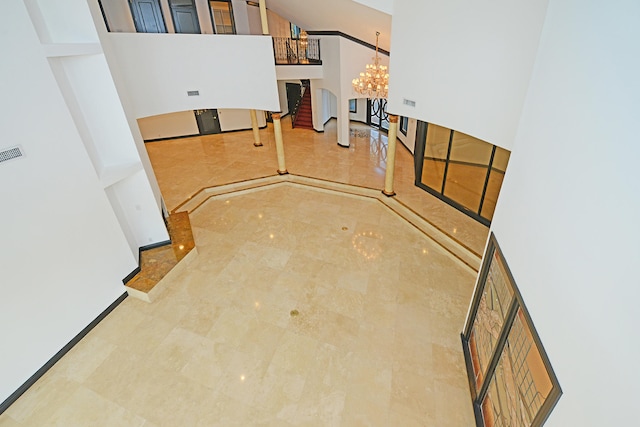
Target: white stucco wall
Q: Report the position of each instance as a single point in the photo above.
(567, 217)
(63, 252)
(466, 64)
(157, 79)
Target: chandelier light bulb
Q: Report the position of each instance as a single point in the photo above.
(374, 82)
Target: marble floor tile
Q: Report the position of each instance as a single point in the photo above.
(347, 316)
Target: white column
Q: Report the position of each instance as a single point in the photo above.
(277, 129)
(391, 156)
(256, 129)
(263, 17)
(343, 122)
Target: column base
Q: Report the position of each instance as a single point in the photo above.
(284, 172)
(391, 194)
(257, 144)
(343, 146)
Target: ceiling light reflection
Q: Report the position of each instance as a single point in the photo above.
(366, 244)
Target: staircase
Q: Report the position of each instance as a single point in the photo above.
(303, 117)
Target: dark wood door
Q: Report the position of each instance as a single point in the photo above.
(185, 16)
(208, 121)
(294, 92)
(147, 16)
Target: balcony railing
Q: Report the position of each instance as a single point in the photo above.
(296, 51)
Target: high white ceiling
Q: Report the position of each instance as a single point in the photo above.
(347, 16)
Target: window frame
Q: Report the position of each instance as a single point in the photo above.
(404, 125)
(516, 305)
(355, 105)
(213, 21)
(173, 18)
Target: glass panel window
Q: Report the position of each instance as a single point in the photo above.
(404, 125)
(435, 156)
(494, 184)
(521, 383)
(467, 172)
(222, 15)
(492, 312)
(510, 377)
(378, 116)
(460, 169)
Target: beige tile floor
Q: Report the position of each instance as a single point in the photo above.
(184, 166)
(375, 340)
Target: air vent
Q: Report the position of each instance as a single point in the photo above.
(193, 93)
(409, 102)
(10, 154)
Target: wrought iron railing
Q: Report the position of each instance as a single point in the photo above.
(304, 51)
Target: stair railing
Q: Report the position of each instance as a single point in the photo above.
(296, 51)
(296, 108)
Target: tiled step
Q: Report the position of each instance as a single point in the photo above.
(447, 242)
(204, 194)
(158, 263)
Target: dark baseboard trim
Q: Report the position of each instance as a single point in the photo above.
(131, 275)
(360, 121)
(240, 130)
(328, 120)
(348, 37)
(40, 372)
(140, 250)
(171, 137)
(154, 245)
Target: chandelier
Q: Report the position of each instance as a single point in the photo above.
(374, 82)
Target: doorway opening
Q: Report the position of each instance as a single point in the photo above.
(208, 121)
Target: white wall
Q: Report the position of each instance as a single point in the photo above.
(349, 17)
(168, 19)
(125, 98)
(342, 61)
(253, 17)
(473, 62)
(353, 60)
(241, 17)
(568, 214)
(157, 76)
(278, 26)
(298, 72)
(329, 106)
(63, 253)
(183, 123)
(119, 16)
(204, 16)
(169, 125)
(385, 6)
(361, 111)
(330, 80)
(238, 119)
